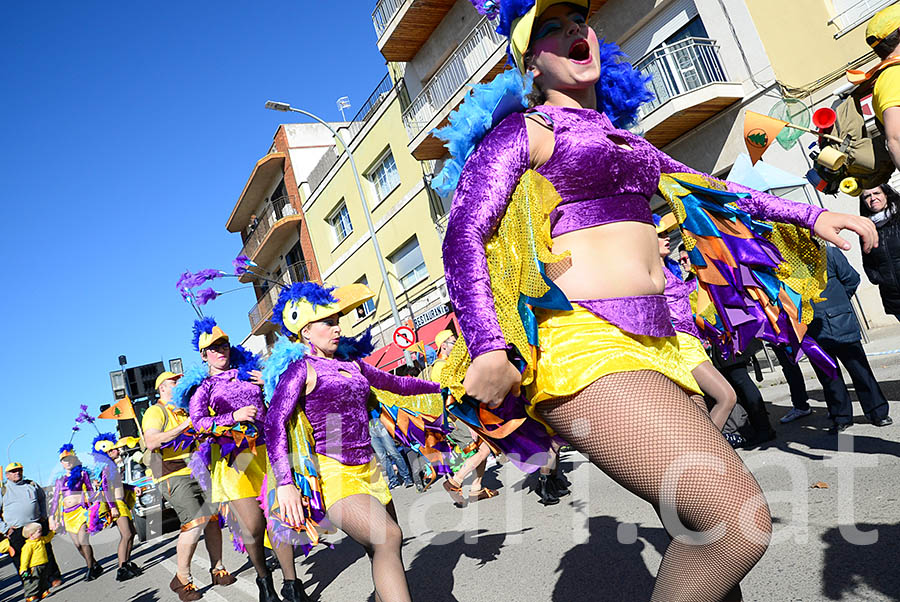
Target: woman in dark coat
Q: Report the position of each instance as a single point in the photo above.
(882, 263)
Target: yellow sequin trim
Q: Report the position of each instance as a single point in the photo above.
(522, 239)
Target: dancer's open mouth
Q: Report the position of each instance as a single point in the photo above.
(580, 52)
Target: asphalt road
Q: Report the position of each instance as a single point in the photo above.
(601, 543)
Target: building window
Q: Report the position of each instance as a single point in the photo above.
(340, 222)
(385, 177)
(368, 307)
(409, 265)
(850, 13)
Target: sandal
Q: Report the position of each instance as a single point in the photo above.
(482, 494)
(455, 492)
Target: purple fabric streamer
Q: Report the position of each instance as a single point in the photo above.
(199, 464)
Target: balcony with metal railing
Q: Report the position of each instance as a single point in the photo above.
(261, 312)
(265, 173)
(369, 108)
(403, 26)
(690, 86)
(269, 230)
(479, 57)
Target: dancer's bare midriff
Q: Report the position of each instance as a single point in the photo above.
(613, 260)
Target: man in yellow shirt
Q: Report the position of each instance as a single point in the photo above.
(883, 35)
(162, 423)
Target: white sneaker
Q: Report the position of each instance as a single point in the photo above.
(794, 414)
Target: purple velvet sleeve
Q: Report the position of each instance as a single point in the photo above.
(281, 408)
(760, 205)
(401, 385)
(56, 497)
(200, 409)
(487, 181)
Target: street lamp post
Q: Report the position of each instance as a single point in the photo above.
(285, 107)
(10, 445)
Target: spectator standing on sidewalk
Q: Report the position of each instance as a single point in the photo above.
(794, 376)
(388, 454)
(882, 264)
(25, 502)
(162, 423)
(836, 329)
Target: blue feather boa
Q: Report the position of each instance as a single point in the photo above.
(244, 360)
(284, 353)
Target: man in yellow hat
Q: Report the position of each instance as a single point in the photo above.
(162, 423)
(883, 36)
(24, 502)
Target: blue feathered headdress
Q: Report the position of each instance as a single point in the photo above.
(241, 358)
(66, 450)
(110, 437)
(312, 292)
(202, 326)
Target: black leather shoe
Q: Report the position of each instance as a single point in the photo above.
(135, 569)
(839, 427)
(560, 484)
(292, 591)
(267, 589)
(546, 491)
(124, 573)
(95, 571)
(886, 421)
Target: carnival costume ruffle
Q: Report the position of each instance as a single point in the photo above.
(757, 280)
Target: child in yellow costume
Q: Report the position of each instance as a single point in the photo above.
(33, 562)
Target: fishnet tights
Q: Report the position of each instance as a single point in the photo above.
(644, 431)
(375, 527)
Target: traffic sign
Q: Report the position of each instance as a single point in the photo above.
(404, 337)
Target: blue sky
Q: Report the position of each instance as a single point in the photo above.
(128, 131)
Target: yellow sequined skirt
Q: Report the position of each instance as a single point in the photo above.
(75, 518)
(691, 350)
(243, 479)
(578, 348)
(124, 509)
(340, 480)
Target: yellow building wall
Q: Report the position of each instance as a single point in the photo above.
(799, 41)
(414, 219)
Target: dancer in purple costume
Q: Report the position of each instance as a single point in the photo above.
(333, 395)
(609, 378)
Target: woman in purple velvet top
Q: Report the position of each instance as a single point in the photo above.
(318, 384)
(608, 377)
(231, 394)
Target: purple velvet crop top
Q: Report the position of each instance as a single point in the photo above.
(218, 396)
(337, 409)
(599, 182)
(587, 138)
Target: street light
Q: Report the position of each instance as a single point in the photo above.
(285, 107)
(10, 445)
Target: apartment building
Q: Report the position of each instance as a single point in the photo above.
(404, 213)
(269, 217)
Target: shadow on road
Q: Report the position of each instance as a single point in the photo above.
(812, 431)
(328, 563)
(609, 569)
(430, 575)
(847, 565)
(148, 595)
